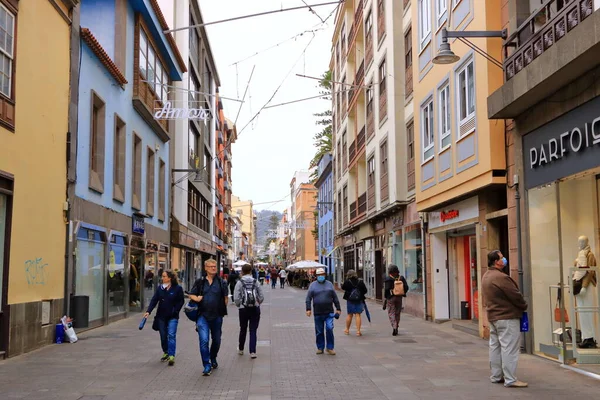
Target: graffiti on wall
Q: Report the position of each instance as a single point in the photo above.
(35, 271)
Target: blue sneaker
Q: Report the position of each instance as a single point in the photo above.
(207, 370)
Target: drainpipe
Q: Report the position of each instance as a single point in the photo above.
(424, 264)
(520, 252)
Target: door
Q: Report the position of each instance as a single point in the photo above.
(5, 212)
(473, 271)
(439, 255)
(379, 272)
(151, 278)
(135, 280)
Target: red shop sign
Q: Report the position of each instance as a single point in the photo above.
(447, 215)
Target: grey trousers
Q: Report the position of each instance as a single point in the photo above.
(505, 338)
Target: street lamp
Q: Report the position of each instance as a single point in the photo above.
(446, 55)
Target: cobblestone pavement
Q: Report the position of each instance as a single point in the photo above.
(426, 361)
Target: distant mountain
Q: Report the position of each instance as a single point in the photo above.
(263, 225)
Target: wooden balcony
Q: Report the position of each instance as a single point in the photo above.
(382, 106)
(358, 14)
(352, 152)
(370, 126)
(380, 27)
(410, 169)
(360, 140)
(371, 198)
(369, 49)
(542, 30)
(353, 210)
(360, 74)
(362, 204)
(345, 217)
(408, 81)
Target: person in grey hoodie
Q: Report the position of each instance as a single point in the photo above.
(322, 295)
(248, 298)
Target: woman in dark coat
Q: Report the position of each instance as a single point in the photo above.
(354, 294)
(393, 302)
(169, 298)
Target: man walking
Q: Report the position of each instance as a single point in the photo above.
(505, 306)
(212, 294)
(248, 298)
(282, 276)
(322, 295)
(274, 275)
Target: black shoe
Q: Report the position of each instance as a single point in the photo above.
(588, 343)
(214, 364)
(395, 332)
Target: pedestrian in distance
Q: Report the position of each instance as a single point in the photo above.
(274, 275)
(261, 276)
(505, 305)
(232, 279)
(323, 297)
(212, 295)
(395, 288)
(169, 299)
(267, 276)
(282, 277)
(248, 298)
(354, 294)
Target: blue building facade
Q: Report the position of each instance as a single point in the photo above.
(121, 204)
(324, 186)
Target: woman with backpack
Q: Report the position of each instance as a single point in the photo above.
(354, 294)
(169, 298)
(248, 297)
(394, 289)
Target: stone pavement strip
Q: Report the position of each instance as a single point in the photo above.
(426, 361)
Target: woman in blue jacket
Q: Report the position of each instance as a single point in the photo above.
(169, 298)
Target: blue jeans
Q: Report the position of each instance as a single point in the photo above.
(212, 327)
(168, 333)
(324, 327)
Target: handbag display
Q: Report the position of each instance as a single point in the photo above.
(559, 313)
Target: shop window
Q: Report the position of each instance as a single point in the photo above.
(119, 160)
(571, 205)
(413, 268)
(150, 176)
(136, 175)
(116, 275)
(90, 270)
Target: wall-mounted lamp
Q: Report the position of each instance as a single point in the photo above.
(446, 55)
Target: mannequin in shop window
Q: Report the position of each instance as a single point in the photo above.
(584, 293)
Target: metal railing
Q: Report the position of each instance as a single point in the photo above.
(541, 30)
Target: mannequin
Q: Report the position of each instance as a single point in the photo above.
(586, 297)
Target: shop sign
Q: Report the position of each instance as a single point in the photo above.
(169, 112)
(138, 225)
(568, 145)
(458, 212)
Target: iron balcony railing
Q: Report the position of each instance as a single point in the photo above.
(541, 30)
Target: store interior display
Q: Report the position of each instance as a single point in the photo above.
(583, 293)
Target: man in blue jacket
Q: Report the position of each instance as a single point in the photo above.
(323, 297)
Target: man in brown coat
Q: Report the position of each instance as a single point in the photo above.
(505, 306)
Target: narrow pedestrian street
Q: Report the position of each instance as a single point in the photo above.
(426, 361)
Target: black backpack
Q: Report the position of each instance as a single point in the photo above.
(249, 294)
(355, 294)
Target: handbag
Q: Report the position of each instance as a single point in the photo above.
(524, 322)
(560, 313)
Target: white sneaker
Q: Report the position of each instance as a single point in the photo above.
(252, 355)
(241, 352)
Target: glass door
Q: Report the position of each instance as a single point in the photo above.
(135, 280)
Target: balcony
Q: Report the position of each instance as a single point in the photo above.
(360, 140)
(353, 210)
(220, 136)
(362, 204)
(369, 49)
(551, 48)
(371, 197)
(352, 151)
(370, 125)
(358, 20)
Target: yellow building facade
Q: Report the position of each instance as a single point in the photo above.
(245, 211)
(34, 106)
(461, 158)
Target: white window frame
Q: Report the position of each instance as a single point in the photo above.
(427, 108)
(470, 99)
(441, 7)
(424, 17)
(444, 118)
(9, 53)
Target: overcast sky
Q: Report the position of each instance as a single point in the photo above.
(279, 141)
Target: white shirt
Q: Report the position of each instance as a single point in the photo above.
(282, 274)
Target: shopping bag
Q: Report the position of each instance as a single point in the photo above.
(525, 322)
(143, 323)
(70, 332)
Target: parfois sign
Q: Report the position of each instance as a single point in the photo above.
(169, 112)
